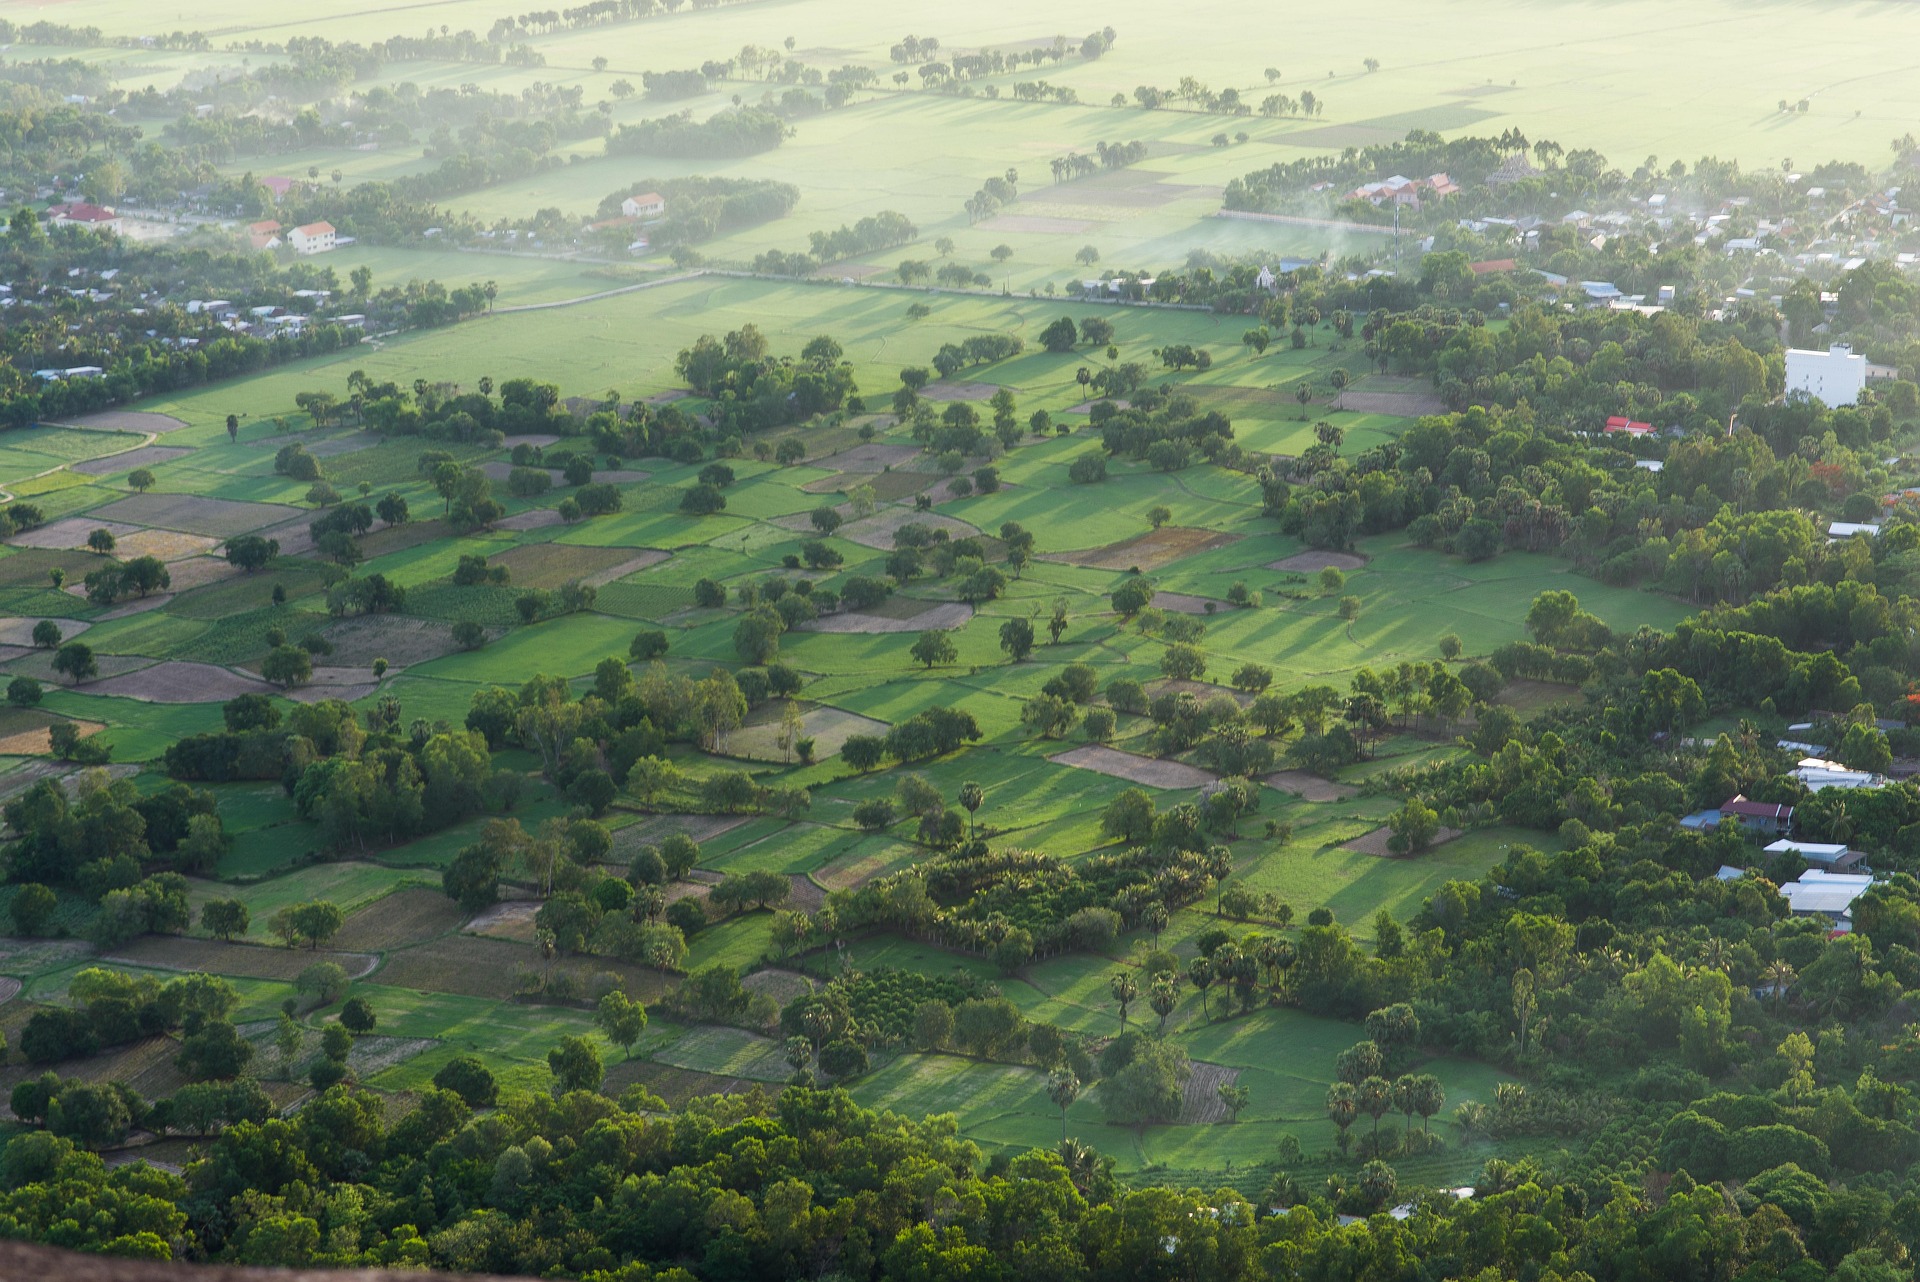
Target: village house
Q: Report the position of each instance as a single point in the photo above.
(314, 238)
(1834, 858)
(645, 205)
(1402, 190)
(264, 235)
(82, 214)
(1819, 893)
(1757, 816)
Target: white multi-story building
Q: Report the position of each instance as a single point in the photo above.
(314, 238)
(1835, 376)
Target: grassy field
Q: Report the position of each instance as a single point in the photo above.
(441, 989)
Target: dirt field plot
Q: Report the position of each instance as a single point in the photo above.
(945, 391)
(9, 989)
(877, 531)
(1181, 603)
(632, 565)
(25, 732)
(464, 964)
(114, 464)
(781, 985)
(402, 642)
(1154, 550)
(124, 421)
(249, 961)
(215, 518)
(1375, 842)
(548, 565)
(509, 919)
(71, 533)
(949, 614)
(1308, 787)
(398, 538)
(828, 727)
(1149, 771)
(294, 536)
(17, 631)
(1398, 404)
(38, 664)
(199, 571)
(1314, 562)
(178, 681)
(872, 457)
(402, 918)
(345, 684)
(674, 1085)
(501, 470)
(166, 545)
(537, 519)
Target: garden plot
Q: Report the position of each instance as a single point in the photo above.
(33, 566)
(877, 531)
(548, 565)
(9, 989)
(179, 681)
(139, 605)
(1314, 562)
(1375, 842)
(827, 727)
(1309, 787)
(1200, 1098)
(19, 632)
(1154, 550)
(25, 732)
(402, 642)
(124, 421)
(163, 545)
(949, 614)
(70, 533)
(647, 558)
(1396, 404)
(192, 514)
(1149, 771)
(144, 456)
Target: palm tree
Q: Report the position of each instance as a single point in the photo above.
(1374, 1097)
(1063, 1088)
(1125, 988)
(1082, 1162)
(1342, 1108)
(1200, 975)
(1777, 978)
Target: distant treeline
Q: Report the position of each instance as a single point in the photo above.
(738, 131)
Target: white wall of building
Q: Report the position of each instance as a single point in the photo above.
(1835, 376)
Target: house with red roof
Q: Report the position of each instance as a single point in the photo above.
(1619, 423)
(81, 214)
(1494, 266)
(1757, 816)
(647, 204)
(313, 238)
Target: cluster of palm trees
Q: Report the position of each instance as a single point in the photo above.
(1375, 1096)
